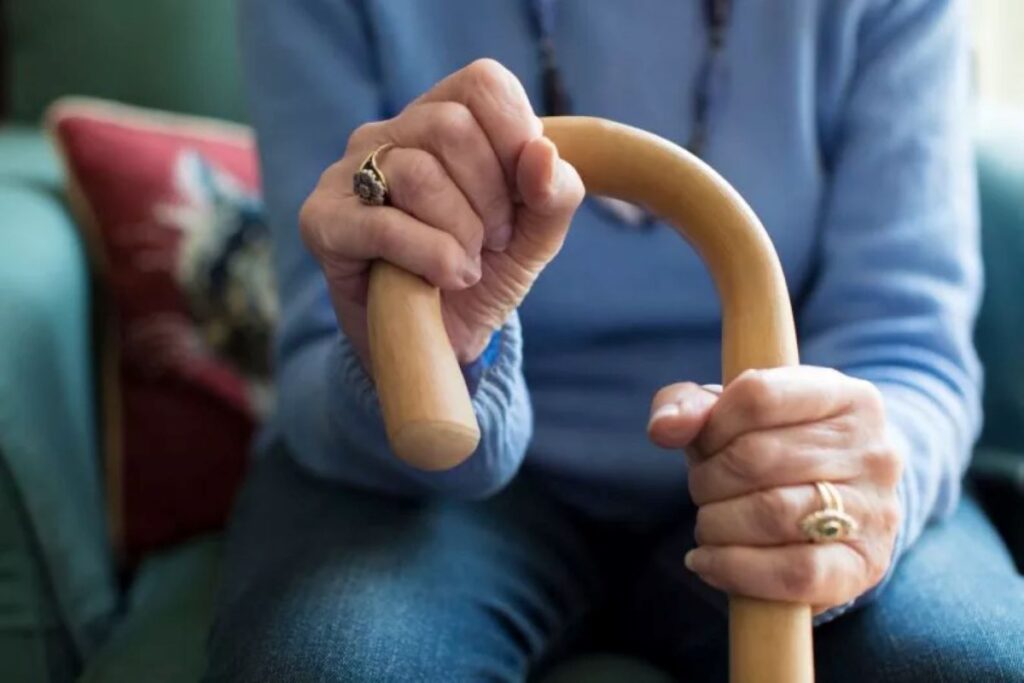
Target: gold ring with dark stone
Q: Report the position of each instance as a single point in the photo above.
(369, 182)
(831, 523)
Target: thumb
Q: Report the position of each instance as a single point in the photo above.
(679, 412)
(551, 191)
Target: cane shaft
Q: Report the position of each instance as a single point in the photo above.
(425, 402)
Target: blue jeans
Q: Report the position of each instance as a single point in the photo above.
(325, 583)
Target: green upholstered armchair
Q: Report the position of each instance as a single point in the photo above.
(64, 610)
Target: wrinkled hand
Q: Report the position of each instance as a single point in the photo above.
(480, 203)
(754, 452)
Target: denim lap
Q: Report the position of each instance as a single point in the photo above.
(953, 613)
(324, 583)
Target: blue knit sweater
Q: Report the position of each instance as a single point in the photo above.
(842, 122)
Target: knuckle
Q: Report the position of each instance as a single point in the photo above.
(362, 135)
(755, 394)
(734, 462)
(800, 577)
(746, 458)
(488, 73)
(447, 266)
(313, 221)
(454, 125)
(883, 464)
(492, 86)
(773, 513)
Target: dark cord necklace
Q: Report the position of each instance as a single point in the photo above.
(556, 97)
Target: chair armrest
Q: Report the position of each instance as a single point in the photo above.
(1000, 327)
(998, 467)
(54, 520)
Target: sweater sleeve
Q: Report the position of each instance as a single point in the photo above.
(898, 287)
(312, 78)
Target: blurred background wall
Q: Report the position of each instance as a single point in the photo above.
(999, 36)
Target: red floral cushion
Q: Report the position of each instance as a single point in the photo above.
(169, 209)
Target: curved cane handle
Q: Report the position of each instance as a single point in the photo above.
(427, 411)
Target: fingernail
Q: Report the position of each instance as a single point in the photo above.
(713, 388)
(688, 560)
(502, 236)
(696, 561)
(665, 411)
(471, 273)
(556, 176)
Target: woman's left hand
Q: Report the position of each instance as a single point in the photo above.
(755, 452)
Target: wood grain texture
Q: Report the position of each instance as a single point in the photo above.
(426, 407)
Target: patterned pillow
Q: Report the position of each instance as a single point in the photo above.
(169, 210)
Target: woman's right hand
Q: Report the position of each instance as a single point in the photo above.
(480, 203)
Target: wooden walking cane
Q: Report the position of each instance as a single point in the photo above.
(427, 411)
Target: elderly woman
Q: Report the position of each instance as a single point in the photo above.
(842, 122)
